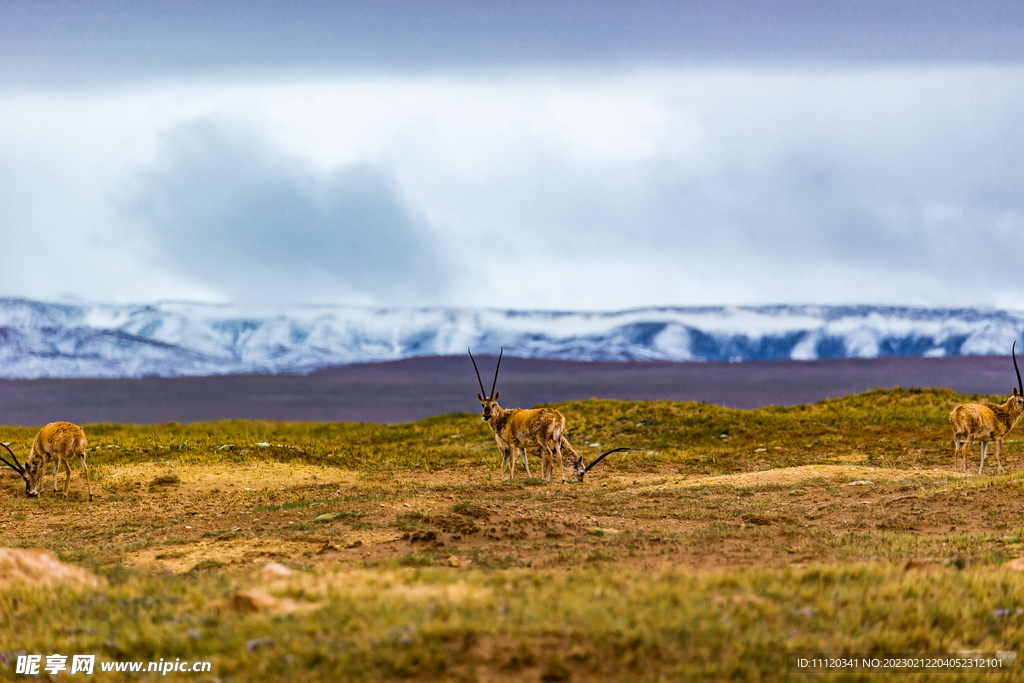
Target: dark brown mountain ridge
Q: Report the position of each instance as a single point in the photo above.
(415, 388)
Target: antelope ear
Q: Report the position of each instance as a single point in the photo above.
(481, 398)
(496, 395)
(1015, 391)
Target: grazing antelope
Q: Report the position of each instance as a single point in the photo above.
(515, 429)
(55, 442)
(986, 422)
(578, 467)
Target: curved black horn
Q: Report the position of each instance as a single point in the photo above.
(603, 456)
(20, 469)
(496, 371)
(1020, 386)
(477, 371)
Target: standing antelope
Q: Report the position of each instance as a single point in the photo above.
(515, 429)
(986, 422)
(55, 442)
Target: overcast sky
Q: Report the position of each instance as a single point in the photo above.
(551, 155)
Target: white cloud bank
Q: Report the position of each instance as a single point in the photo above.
(558, 190)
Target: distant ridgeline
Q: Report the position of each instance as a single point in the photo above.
(176, 338)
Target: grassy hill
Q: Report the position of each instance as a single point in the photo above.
(724, 542)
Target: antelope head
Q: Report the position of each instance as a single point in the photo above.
(490, 402)
(20, 469)
(1018, 391)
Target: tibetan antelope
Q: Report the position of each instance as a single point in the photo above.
(56, 442)
(515, 429)
(986, 422)
(578, 468)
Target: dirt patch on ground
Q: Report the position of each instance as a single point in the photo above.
(210, 554)
(793, 475)
(250, 476)
(180, 518)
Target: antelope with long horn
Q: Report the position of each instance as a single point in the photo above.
(986, 422)
(55, 442)
(578, 467)
(515, 429)
(16, 466)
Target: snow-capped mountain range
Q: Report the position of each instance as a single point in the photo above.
(169, 339)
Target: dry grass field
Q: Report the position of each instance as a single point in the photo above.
(724, 541)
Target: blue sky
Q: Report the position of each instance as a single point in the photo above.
(553, 155)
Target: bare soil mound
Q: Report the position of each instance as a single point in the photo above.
(32, 565)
